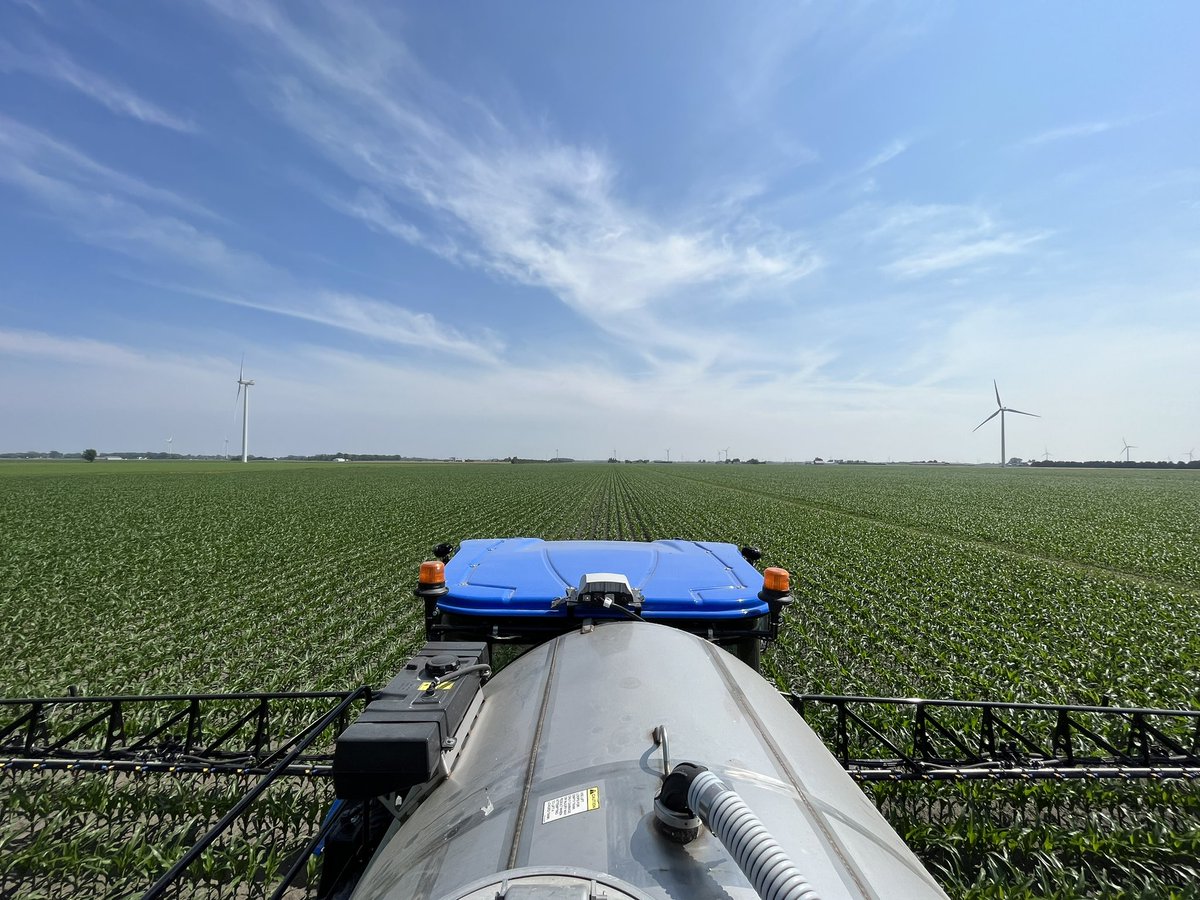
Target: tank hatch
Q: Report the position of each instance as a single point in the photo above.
(563, 883)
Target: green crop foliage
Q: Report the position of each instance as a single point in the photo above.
(1043, 585)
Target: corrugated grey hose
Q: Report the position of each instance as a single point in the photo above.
(747, 840)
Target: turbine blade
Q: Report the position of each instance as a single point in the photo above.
(242, 367)
(997, 389)
(1035, 415)
(985, 421)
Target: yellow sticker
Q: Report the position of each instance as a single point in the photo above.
(570, 804)
(444, 686)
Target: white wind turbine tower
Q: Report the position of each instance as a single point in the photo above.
(1001, 409)
(1125, 449)
(169, 444)
(1191, 453)
(243, 383)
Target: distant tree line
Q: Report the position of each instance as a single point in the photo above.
(356, 457)
(91, 454)
(1113, 464)
(124, 454)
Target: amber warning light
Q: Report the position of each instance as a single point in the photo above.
(434, 572)
(776, 579)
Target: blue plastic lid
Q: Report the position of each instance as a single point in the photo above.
(678, 579)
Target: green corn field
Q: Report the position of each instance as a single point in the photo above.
(1072, 586)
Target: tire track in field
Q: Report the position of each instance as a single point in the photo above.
(619, 505)
(603, 519)
(613, 514)
(1084, 568)
(636, 524)
(592, 509)
(609, 506)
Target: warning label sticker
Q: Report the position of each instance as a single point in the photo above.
(443, 686)
(570, 804)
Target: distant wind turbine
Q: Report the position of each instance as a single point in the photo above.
(1191, 453)
(169, 444)
(226, 448)
(1001, 409)
(243, 383)
(1128, 446)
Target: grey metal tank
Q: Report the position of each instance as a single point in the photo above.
(555, 784)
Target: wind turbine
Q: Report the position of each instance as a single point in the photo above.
(226, 448)
(1128, 446)
(169, 444)
(1001, 409)
(243, 383)
(668, 454)
(1191, 453)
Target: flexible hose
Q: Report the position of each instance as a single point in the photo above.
(484, 671)
(747, 840)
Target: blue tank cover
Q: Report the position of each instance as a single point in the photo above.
(678, 579)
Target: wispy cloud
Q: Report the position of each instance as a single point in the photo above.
(29, 147)
(505, 197)
(33, 6)
(72, 350)
(113, 210)
(45, 60)
(361, 315)
(954, 255)
(886, 155)
(769, 49)
(925, 239)
(1078, 130)
(373, 209)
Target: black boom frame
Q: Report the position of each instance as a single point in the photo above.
(905, 739)
(241, 733)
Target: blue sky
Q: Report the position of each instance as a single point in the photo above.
(483, 229)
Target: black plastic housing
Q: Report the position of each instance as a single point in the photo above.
(397, 742)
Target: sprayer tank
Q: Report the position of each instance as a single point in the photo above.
(560, 770)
